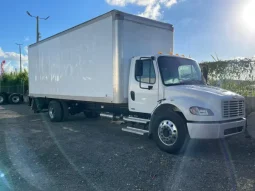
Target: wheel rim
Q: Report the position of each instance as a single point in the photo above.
(51, 113)
(167, 132)
(15, 99)
(1, 99)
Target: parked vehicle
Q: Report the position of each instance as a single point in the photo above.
(12, 94)
(110, 66)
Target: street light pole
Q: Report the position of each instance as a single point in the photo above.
(20, 66)
(37, 25)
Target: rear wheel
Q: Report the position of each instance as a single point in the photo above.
(29, 101)
(65, 110)
(14, 99)
(3, 98)
(170, 132)
(55, 111)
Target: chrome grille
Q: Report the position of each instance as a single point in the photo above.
(232, 108)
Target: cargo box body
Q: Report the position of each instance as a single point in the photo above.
(91, 61)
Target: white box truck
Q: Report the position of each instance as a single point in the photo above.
(110, 66)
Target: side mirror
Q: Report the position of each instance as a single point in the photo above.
(205, 72)
(139, 68)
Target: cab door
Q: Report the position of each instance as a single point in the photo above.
(143, 87)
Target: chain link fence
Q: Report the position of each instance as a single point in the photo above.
(20, 88)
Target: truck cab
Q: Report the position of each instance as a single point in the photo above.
(172, 90)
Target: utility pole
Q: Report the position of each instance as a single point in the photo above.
(37, 29)
(37, 25)
(20, 66)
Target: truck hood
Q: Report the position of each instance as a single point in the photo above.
(201, 92)
(186, 96)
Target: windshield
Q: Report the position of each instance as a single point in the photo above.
(176, 71)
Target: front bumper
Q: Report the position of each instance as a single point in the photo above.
(200, 130)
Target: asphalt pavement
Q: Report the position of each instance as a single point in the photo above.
(85, 154)
(251, 125)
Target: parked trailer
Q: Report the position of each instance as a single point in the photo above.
(110, 66)
(12, 94)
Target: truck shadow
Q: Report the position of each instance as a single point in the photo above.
(236, 148)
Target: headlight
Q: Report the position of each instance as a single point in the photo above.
(200, 111)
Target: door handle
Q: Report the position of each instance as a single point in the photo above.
(132, 94)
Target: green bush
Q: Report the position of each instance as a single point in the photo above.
(14, 82)
(10, 79)
(235, 75)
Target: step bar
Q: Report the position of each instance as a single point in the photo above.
(135, 130)
(106, 115)
(136, 120)
(110, 116)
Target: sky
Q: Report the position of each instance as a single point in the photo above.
(202, 27)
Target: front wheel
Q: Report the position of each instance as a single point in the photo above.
(170, 132)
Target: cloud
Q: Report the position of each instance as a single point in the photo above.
(169, 3)
(152, 7)
(26, 38)
(152, 12)
(12, 56)
(26, 49)
(14, 66)
(12, 60)
(8, 67)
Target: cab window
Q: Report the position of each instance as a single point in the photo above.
(149, 75)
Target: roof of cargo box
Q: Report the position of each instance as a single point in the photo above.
(117, 15)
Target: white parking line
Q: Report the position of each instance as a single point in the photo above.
(70, 129)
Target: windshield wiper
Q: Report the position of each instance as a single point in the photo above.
(191, 82)
(188, 82)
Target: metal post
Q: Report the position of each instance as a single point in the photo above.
(37, 29)
(20, 65)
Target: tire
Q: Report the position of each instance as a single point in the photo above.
(34, 105)
(65, 110)
(91, 114)
(29, 101)
(170, 132)
(55, 111)
(3, 98)
(15, 99)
